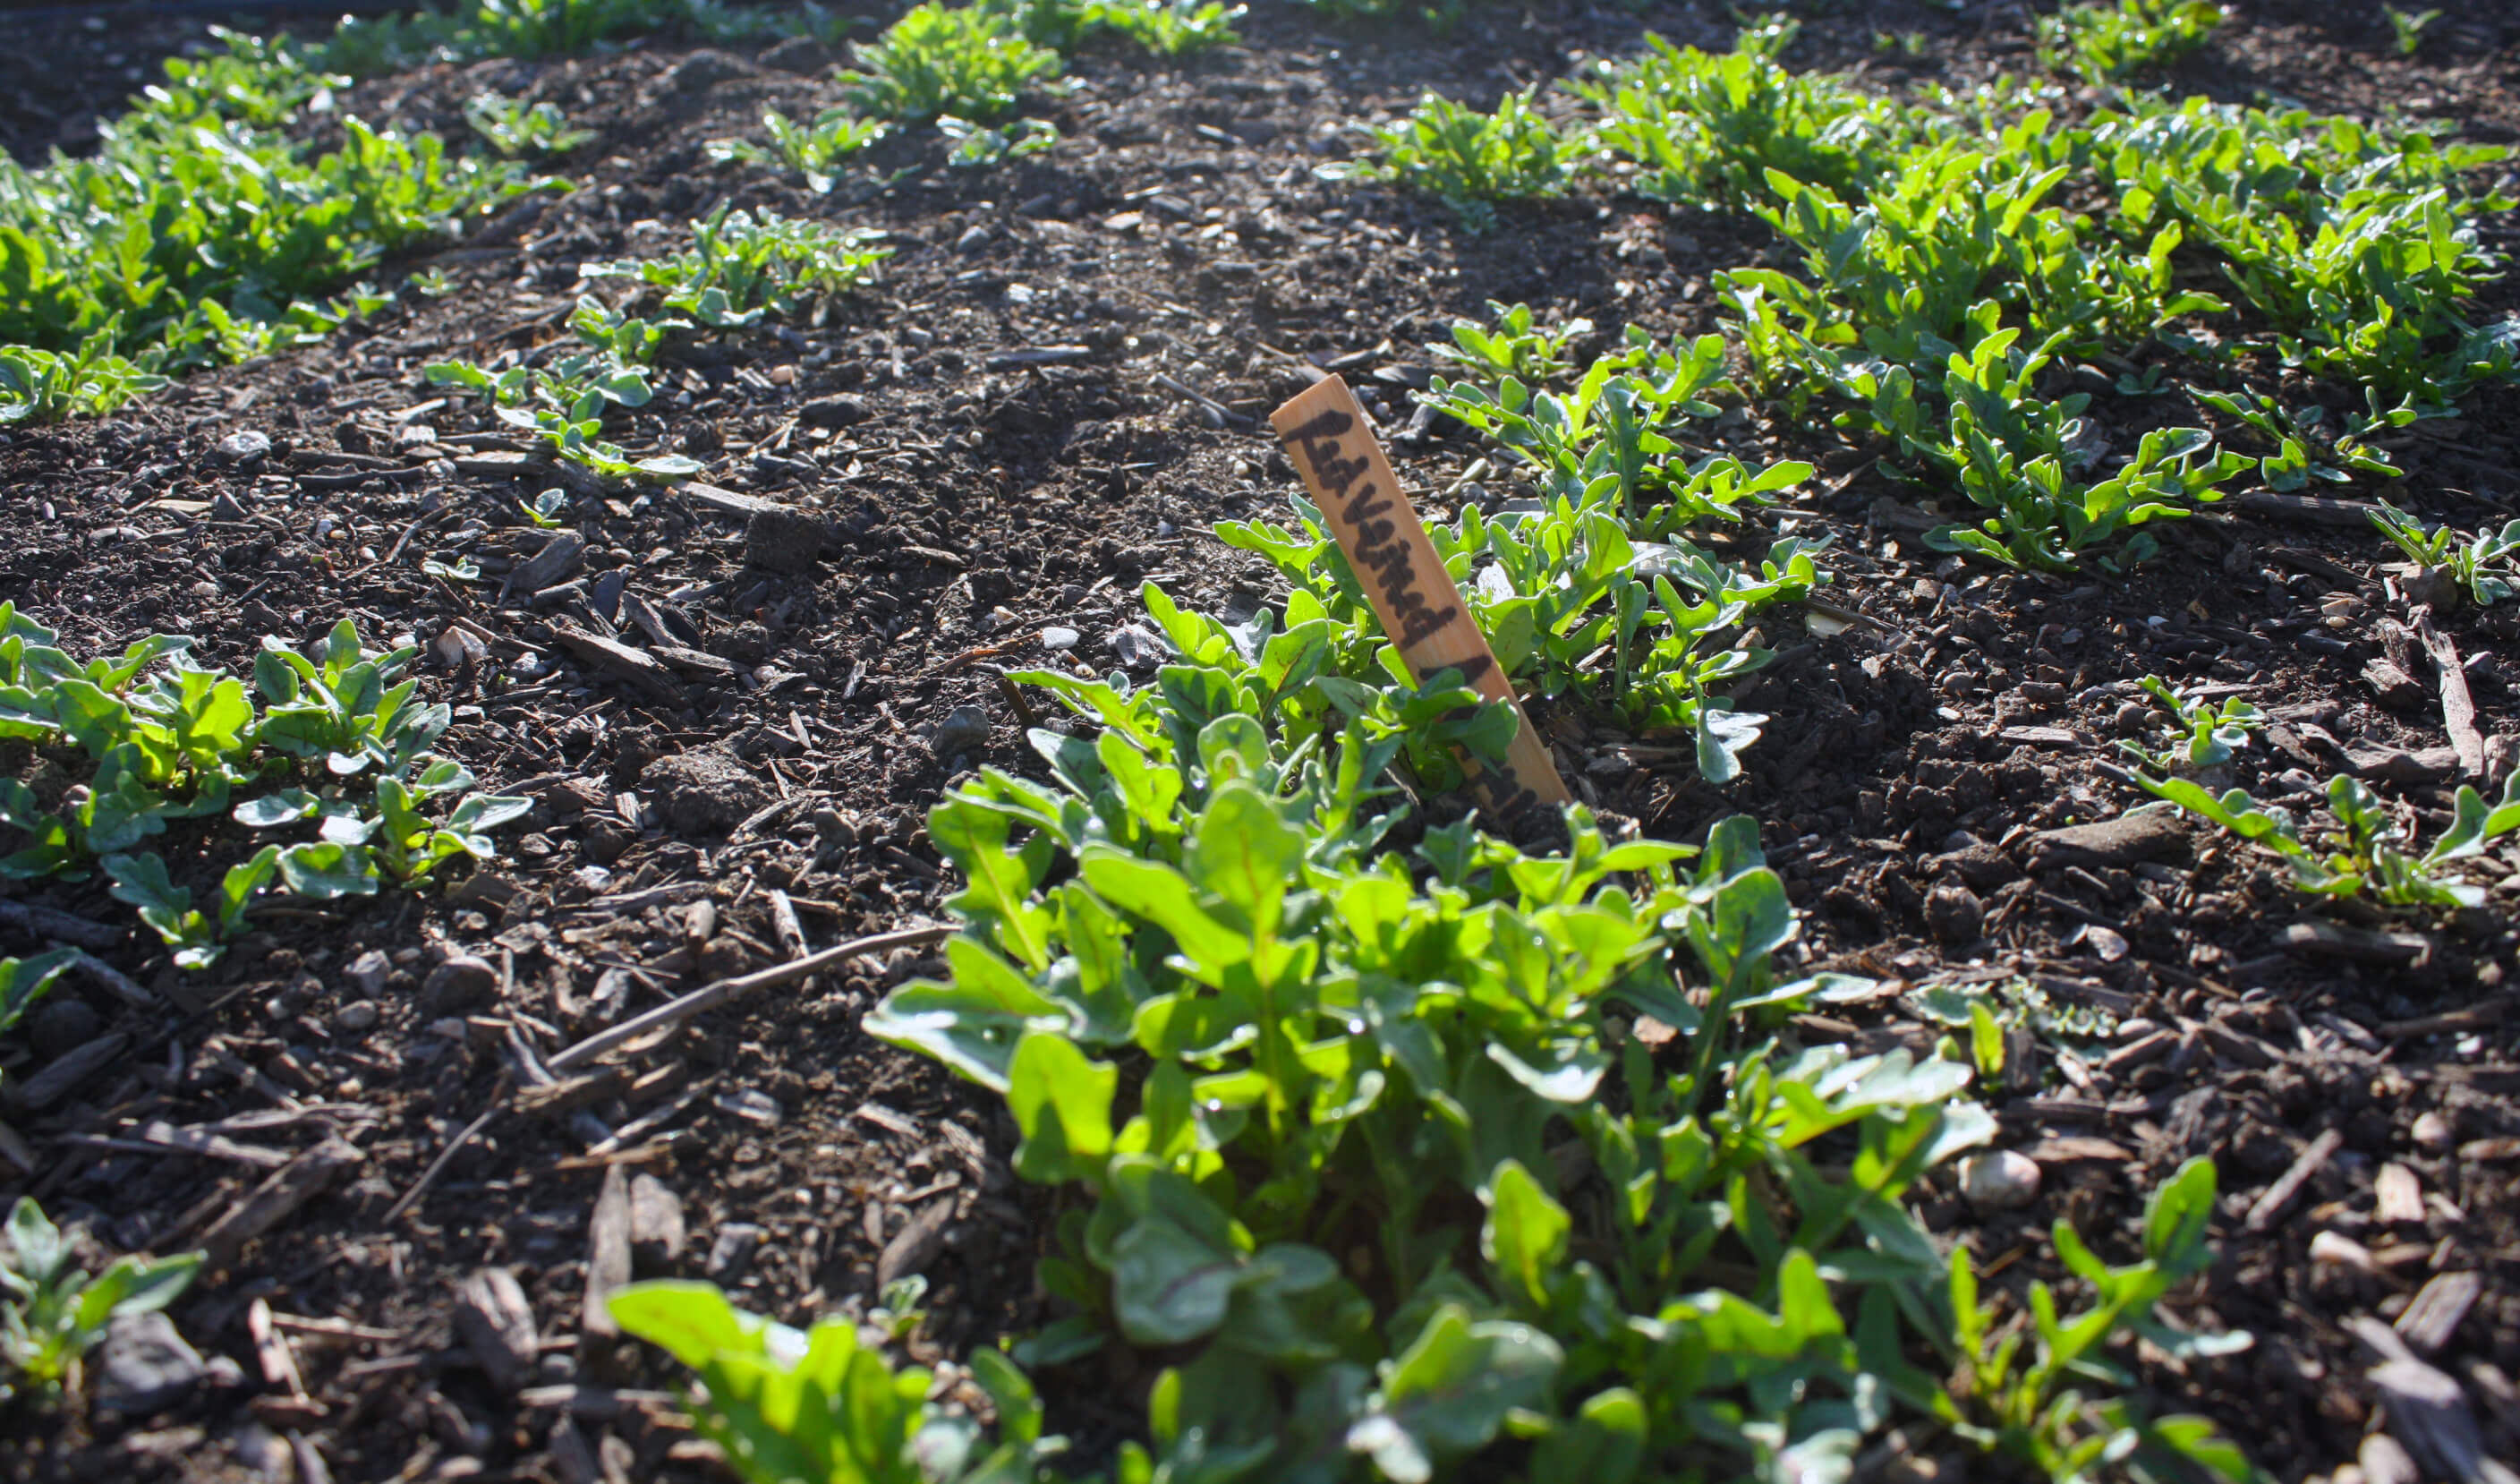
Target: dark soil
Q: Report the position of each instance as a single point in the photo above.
(974, 496)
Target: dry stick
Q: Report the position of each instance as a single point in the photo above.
(437, 1166)
(121, 984)
(2278, 1195)
(711, 995)
(2458, 709)
(45, 922)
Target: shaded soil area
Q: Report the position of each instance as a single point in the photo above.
(1060, 384)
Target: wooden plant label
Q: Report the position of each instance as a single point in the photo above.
(1420, 607)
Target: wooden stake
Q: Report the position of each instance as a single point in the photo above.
(1421, 607)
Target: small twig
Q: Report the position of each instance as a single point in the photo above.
(711, 995)
(1169, 383)
(446, 1156)
(2310, 509)
(2458, 709)
(2278, 1195)
(46, 922)
(124, 987)
(783, 919)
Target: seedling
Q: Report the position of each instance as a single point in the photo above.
(971, 63)
(1468, 159)
(980, 145)
(166, 909)
(2369, 851)
(2305, 450)
(2205, 733)
(45, 387)
(812, 151)
(1514, 348)
(52, 1312)
(23, 982)
(171, 742)
(549, 510)
(742, 265)
(2022, 1401)
(2407, 27)
(2482, 567)
(202, 230)
(1707, 129)
(822, 1404)
(2103, 43)
(1166, 27)
(516, 131)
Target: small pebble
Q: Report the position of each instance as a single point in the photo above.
(2003, 1181)
(2432, 1133)
(1056, 639)
(965, 729)
(244, 447)
(356, 1018)
(2342, 1252)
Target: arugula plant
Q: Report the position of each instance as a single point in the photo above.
(2202, 734)
(821, 1405)
(1166, 27)
(745, 265)
(812, 149)
(170, 741)
(340, 704)
(2358, 242)
(2370, 851)
(23, 982)
(388, 838)
(1515, 347)
(977, 145)
(53, 1311)
(740, 268)
(204, 230)
(39, 387)
(516, 131)
(2407, 28)
(2482, 567)
(369, 46)
(2103, 43)
(1707, 129)
(2305, 450)
(1468, 159)
(1315, 1087)
(197, 937)
(969, 61)
(2020, 1399)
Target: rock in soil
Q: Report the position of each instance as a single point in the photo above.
(706, 791)
(145, 1366)
(1955, 913)
(833, 412)
(731, 1251)
(2002, 1181)
(461, 983)
(242, 448)
(787, 541)
(656, 1226)
(366, 974)
(2150, 834)
(965, 729)
(497, 1324)
(63, 1025)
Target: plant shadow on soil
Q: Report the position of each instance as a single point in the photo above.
(1178, 230)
